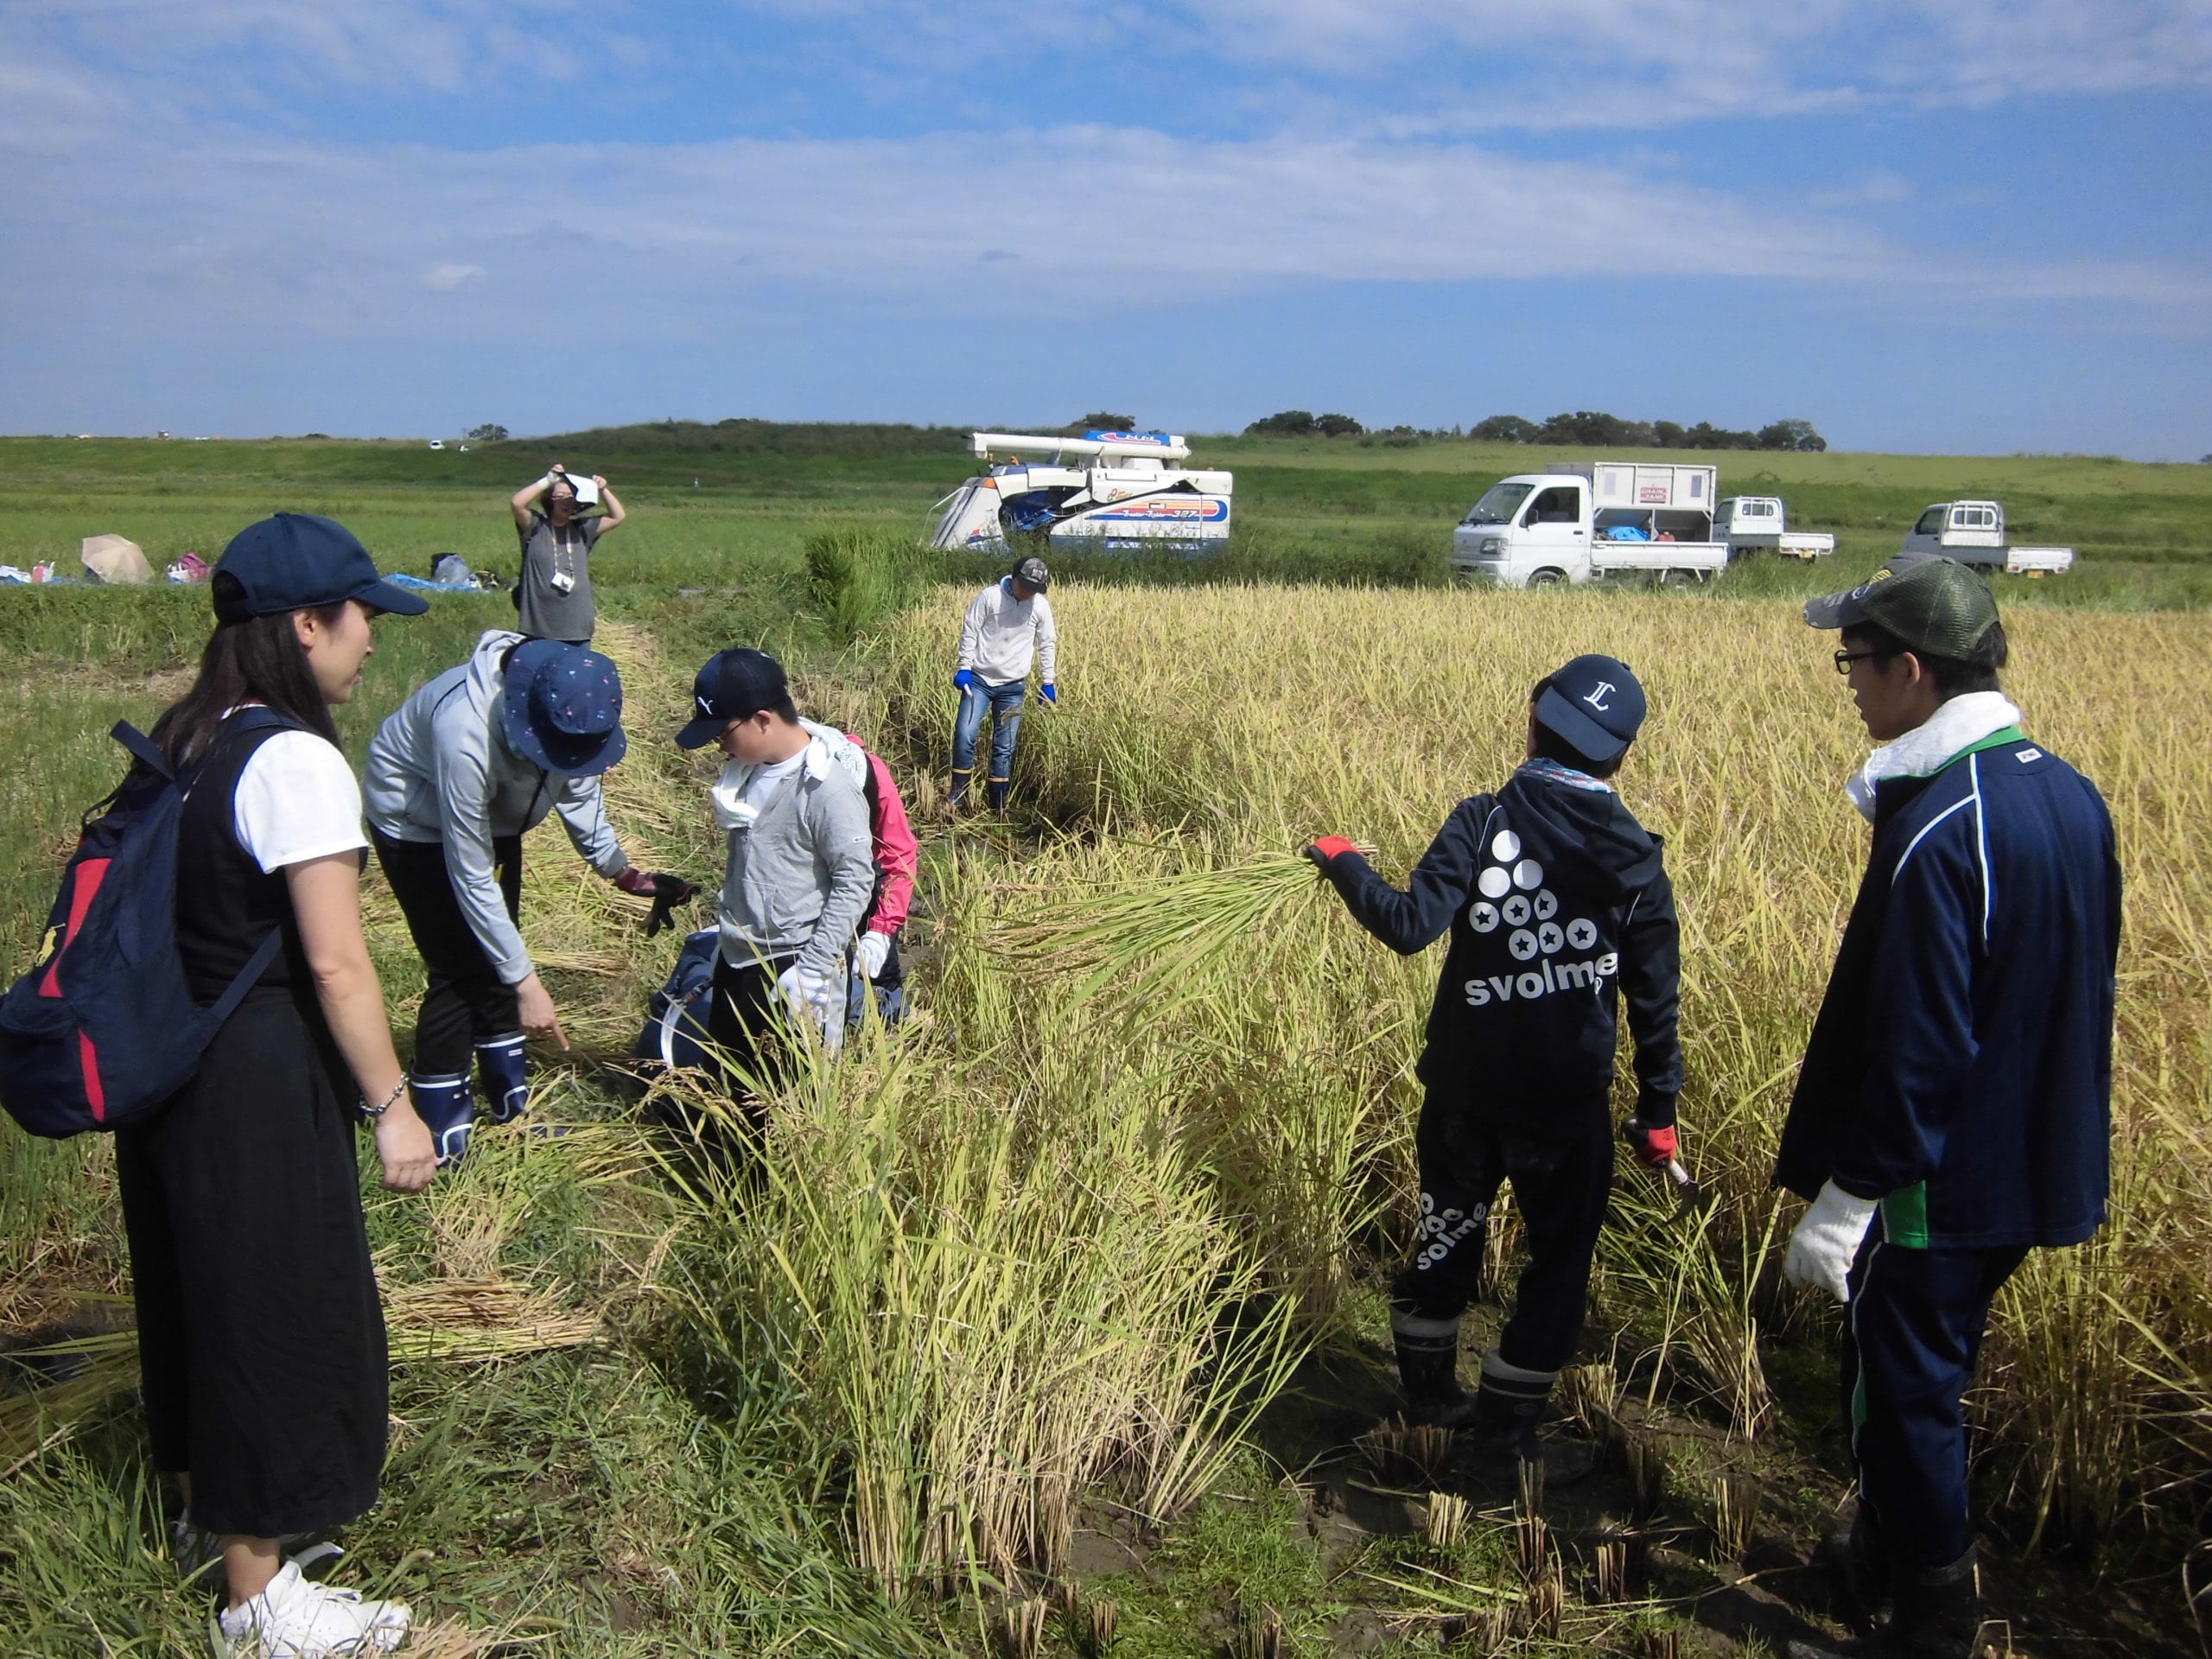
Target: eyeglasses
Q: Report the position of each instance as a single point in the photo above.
(1844, 659)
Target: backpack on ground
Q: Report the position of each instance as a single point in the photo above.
(675, 1034)
(103, 1031)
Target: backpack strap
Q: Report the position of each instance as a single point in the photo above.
(142, 747)
(249, 976)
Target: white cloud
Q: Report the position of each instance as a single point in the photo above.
(446, 276)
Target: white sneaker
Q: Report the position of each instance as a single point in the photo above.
(294, 1618)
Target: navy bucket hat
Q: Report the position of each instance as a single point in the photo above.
(1595, 703)
(563, 707)
(297, 562)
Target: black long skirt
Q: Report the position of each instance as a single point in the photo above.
(260, 1337)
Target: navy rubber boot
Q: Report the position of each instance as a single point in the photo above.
(502, 1072)
(446, 1105)
(960, 777)
(997, 788)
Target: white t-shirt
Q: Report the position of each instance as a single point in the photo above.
(297, 799)
(766, 780)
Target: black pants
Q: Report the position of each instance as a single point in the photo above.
(261, 1341)
(1916, 1324)
(466, 1003)
(747, 1025)
(1561, 1186)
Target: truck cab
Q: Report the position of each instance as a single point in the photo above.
(1583, 520)
(1974, 533)
(1761, 524)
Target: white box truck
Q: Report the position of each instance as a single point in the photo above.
(1580, 520)
(1972, 532)
(1752, 523)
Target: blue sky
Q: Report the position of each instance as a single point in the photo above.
(1976, 225)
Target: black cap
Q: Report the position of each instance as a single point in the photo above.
(1594, 704)
(1033, 571)
(1934, 606)
(734, 685)
(295, 561)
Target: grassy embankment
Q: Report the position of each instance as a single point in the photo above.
(1063, 1212)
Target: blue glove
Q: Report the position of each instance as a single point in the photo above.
(1047, 693)
(965, 679)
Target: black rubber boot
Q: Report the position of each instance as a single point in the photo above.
(997, 788)
(959, 795)
(1507, 1422)
(1935, 1613)
(1430, 1377)
(1858, 1572)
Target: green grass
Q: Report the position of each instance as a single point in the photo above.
(686, 1485)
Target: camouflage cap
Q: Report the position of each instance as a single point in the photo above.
(1935, 607)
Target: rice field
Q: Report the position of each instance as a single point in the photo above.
(1066, 1298)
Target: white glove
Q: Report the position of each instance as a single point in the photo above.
(1827, 1241)
(869, 954)
(814, 1003)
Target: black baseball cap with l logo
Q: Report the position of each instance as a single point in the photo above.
(734, 685)
(1595, 704)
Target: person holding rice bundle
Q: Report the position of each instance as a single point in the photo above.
(456, 776)
(261, 1340)
(1558, 904)
(1954, 1107)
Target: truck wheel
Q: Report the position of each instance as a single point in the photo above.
(1677, 578)
(1547, 578)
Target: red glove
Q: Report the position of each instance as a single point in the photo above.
(636, 880)
(1653, 1143)
(1328, 848)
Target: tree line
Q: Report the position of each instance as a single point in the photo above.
(1584, 428)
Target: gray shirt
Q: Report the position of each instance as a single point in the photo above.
(800, 870)
(440, 770)
(547, 612)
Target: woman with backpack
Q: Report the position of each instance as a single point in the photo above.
(260, 1335)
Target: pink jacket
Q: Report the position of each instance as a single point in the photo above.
(897, 853)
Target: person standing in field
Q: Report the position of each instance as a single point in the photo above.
(553, 594)
(798, 875)
(876, 966)
(1558, 904)
(1008, 625)
(1958, 1081)
(456, 776)
(261, 1340)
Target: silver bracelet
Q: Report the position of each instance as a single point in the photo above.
(390, 1100)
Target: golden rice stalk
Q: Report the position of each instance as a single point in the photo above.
(1159, 944)
(465, 1319)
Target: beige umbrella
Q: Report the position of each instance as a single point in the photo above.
(115, 558)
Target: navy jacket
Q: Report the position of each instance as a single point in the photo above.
(1557, 902)
(1961, 1067)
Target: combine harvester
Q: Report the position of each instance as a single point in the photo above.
(1111, 492)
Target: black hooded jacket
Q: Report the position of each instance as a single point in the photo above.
(1556, 898)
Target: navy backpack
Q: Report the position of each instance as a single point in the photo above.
(675, 1034)
(103, 1031)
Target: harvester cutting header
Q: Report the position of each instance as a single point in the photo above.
(1121, 491)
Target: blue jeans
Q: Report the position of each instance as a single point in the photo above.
(1005, 702)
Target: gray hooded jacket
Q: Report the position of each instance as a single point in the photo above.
(440, 770)
(801, 869)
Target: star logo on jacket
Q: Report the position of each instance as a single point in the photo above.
(1597, 695)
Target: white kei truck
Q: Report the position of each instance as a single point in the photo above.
(1579, 520)
(1115, 492)
(1752, 524)
(1972, 532)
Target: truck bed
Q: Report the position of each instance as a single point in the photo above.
(1609, 556)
